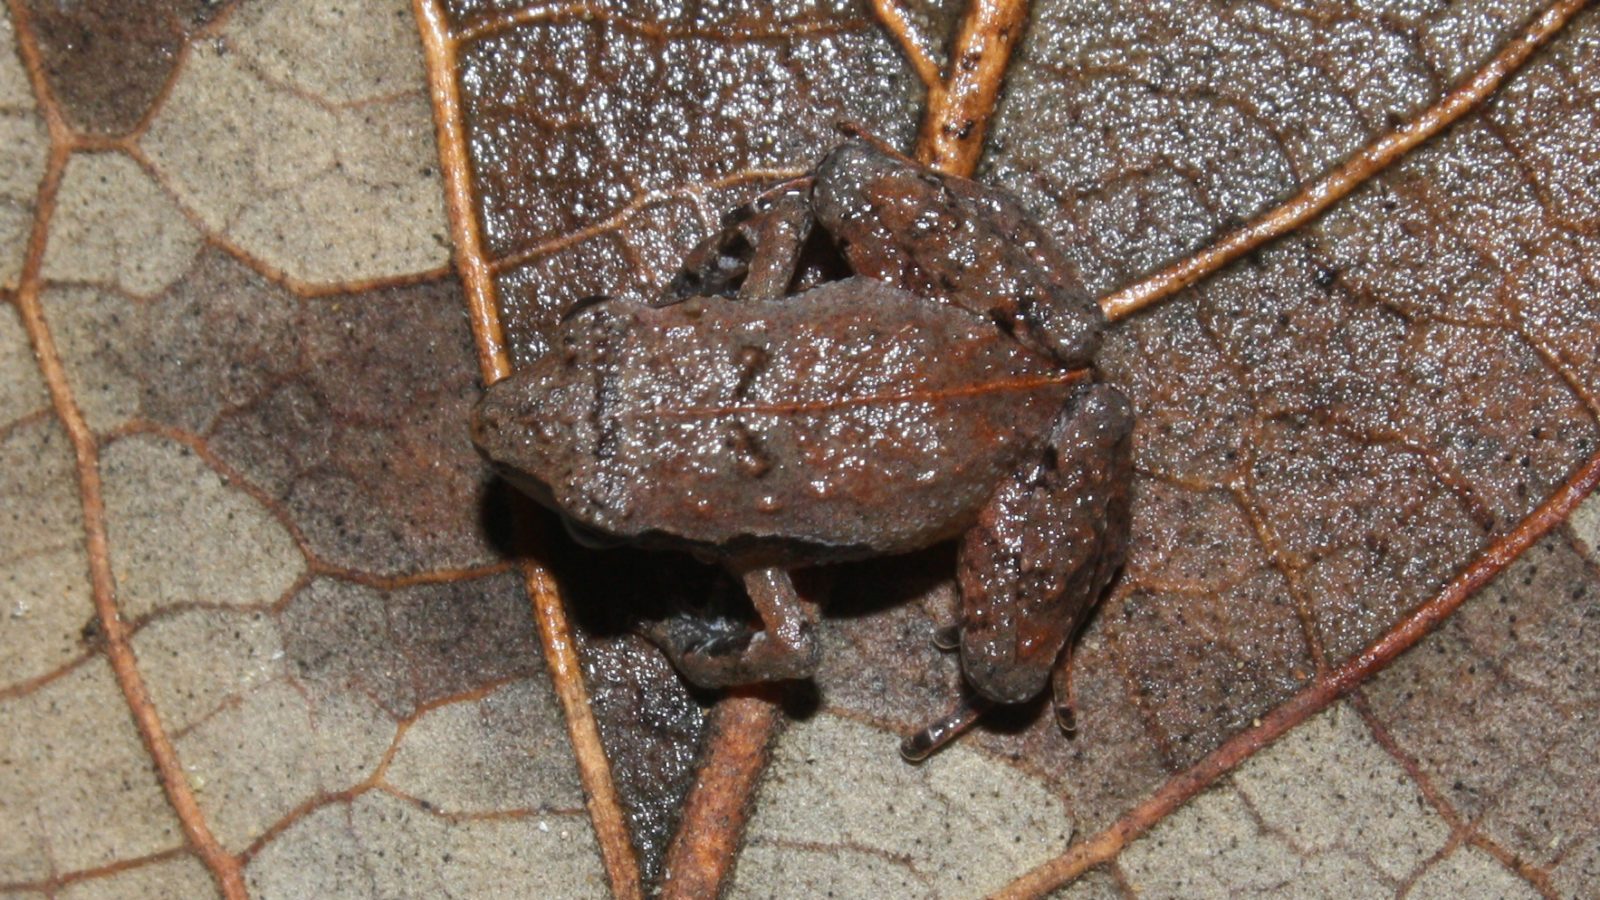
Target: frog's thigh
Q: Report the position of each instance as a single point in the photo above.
(782, 649)
(1044, 548)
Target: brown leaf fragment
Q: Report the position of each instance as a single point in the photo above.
(243, 494)
(106, 62)
(340, 413)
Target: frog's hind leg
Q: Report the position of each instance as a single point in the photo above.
(783, 648)
(1045, 548)
(1037, 561)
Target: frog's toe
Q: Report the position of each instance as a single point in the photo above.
(924, 742)
(725, 645)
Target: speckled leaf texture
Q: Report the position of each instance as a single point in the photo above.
(269, 628)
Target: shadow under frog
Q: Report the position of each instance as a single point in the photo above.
(944, 389)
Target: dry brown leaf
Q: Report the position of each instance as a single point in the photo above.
(266, 619)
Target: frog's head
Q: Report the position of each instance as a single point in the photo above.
(531, 427)
(538, 426)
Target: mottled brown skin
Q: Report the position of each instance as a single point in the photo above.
(942, 390)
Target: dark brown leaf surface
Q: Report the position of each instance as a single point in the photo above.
(262, 626)
(673, 117)
(1327, 431)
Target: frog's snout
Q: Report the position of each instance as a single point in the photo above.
(488, 422)
(527, 425)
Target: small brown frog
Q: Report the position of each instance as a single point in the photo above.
(942, 390)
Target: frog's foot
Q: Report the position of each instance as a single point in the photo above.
(712, 655)
(749, 657)
(922, 744)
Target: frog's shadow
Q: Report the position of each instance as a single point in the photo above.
(609, 592)
(610, 589)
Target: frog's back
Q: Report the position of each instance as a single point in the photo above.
(855, 419)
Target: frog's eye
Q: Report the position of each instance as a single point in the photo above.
(687, 282)
(583, 304)
(740, 214)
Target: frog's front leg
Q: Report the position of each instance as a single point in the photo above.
(712, 657)
(1044, 549)
(755, 254)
